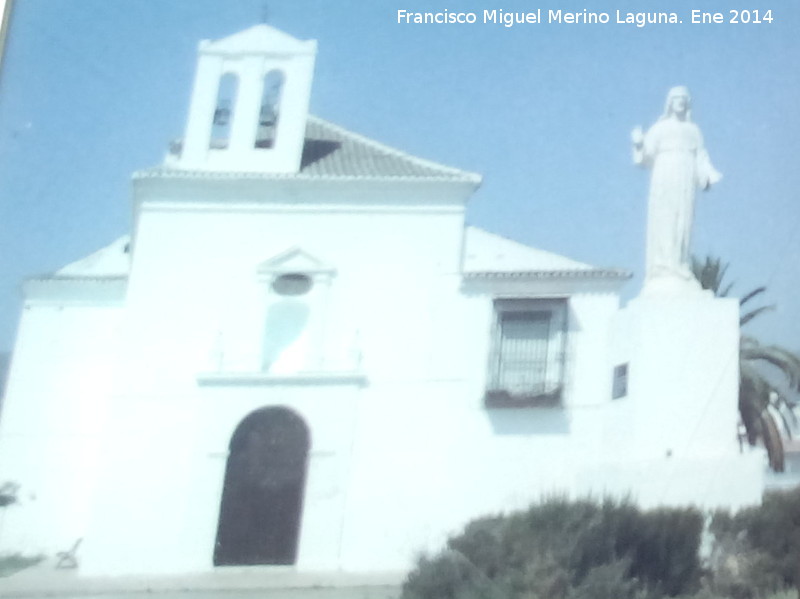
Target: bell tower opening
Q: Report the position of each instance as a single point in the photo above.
(223, 113)
(270, 109)
(249, 104)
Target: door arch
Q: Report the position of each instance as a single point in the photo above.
(262, 497)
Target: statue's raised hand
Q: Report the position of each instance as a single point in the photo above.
(637, 136)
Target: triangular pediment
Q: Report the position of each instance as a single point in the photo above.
(294, 260)
(260, 39)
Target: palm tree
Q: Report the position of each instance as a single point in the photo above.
(760, 396)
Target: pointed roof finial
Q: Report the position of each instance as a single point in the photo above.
(265, 13)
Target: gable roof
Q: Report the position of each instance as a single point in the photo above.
(259, 39)
(110, 261)
(486, 255)
(490, 255)
(99, 278)
(332, 152)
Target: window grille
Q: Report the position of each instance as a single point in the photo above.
(527, 360)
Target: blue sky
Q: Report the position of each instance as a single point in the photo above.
(92, 90)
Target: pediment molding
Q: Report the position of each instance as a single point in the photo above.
(259, 39)
(294, 260)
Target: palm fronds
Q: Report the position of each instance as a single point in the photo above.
(748, 296)
(787, 362)
(747, 317)
(762, 393)
(710, 273)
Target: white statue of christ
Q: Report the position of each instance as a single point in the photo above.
(673, 148)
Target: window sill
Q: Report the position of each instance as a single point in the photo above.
(498, 398)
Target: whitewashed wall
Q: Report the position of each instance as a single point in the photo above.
(195, 291)
(403, 450)
(54, 417)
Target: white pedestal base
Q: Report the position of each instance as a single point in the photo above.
(680, 410)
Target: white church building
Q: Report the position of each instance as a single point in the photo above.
(301, 356)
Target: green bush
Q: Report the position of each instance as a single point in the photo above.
(774, 529)
(449, 576)
(561, 549)
(665, 551)
(10, 563)
(586, 549)
(757, 550)
(609, 581)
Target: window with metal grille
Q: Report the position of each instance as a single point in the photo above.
(620, 385)
(527, 359)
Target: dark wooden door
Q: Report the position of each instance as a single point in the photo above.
(262, 499)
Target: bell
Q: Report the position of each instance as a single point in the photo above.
(267, 116)
(222, 116)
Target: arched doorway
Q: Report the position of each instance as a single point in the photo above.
(262, 500)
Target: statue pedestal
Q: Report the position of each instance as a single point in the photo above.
(682, 353)
(681, 288)
(677, 424)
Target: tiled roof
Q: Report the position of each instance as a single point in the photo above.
(332, 152)
(488, 255)
(592, 273)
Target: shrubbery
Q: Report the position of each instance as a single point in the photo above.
(16, 562)
(585, 549)
(757, 550)
(567, 549)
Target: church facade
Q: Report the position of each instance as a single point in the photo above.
(301, 356)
